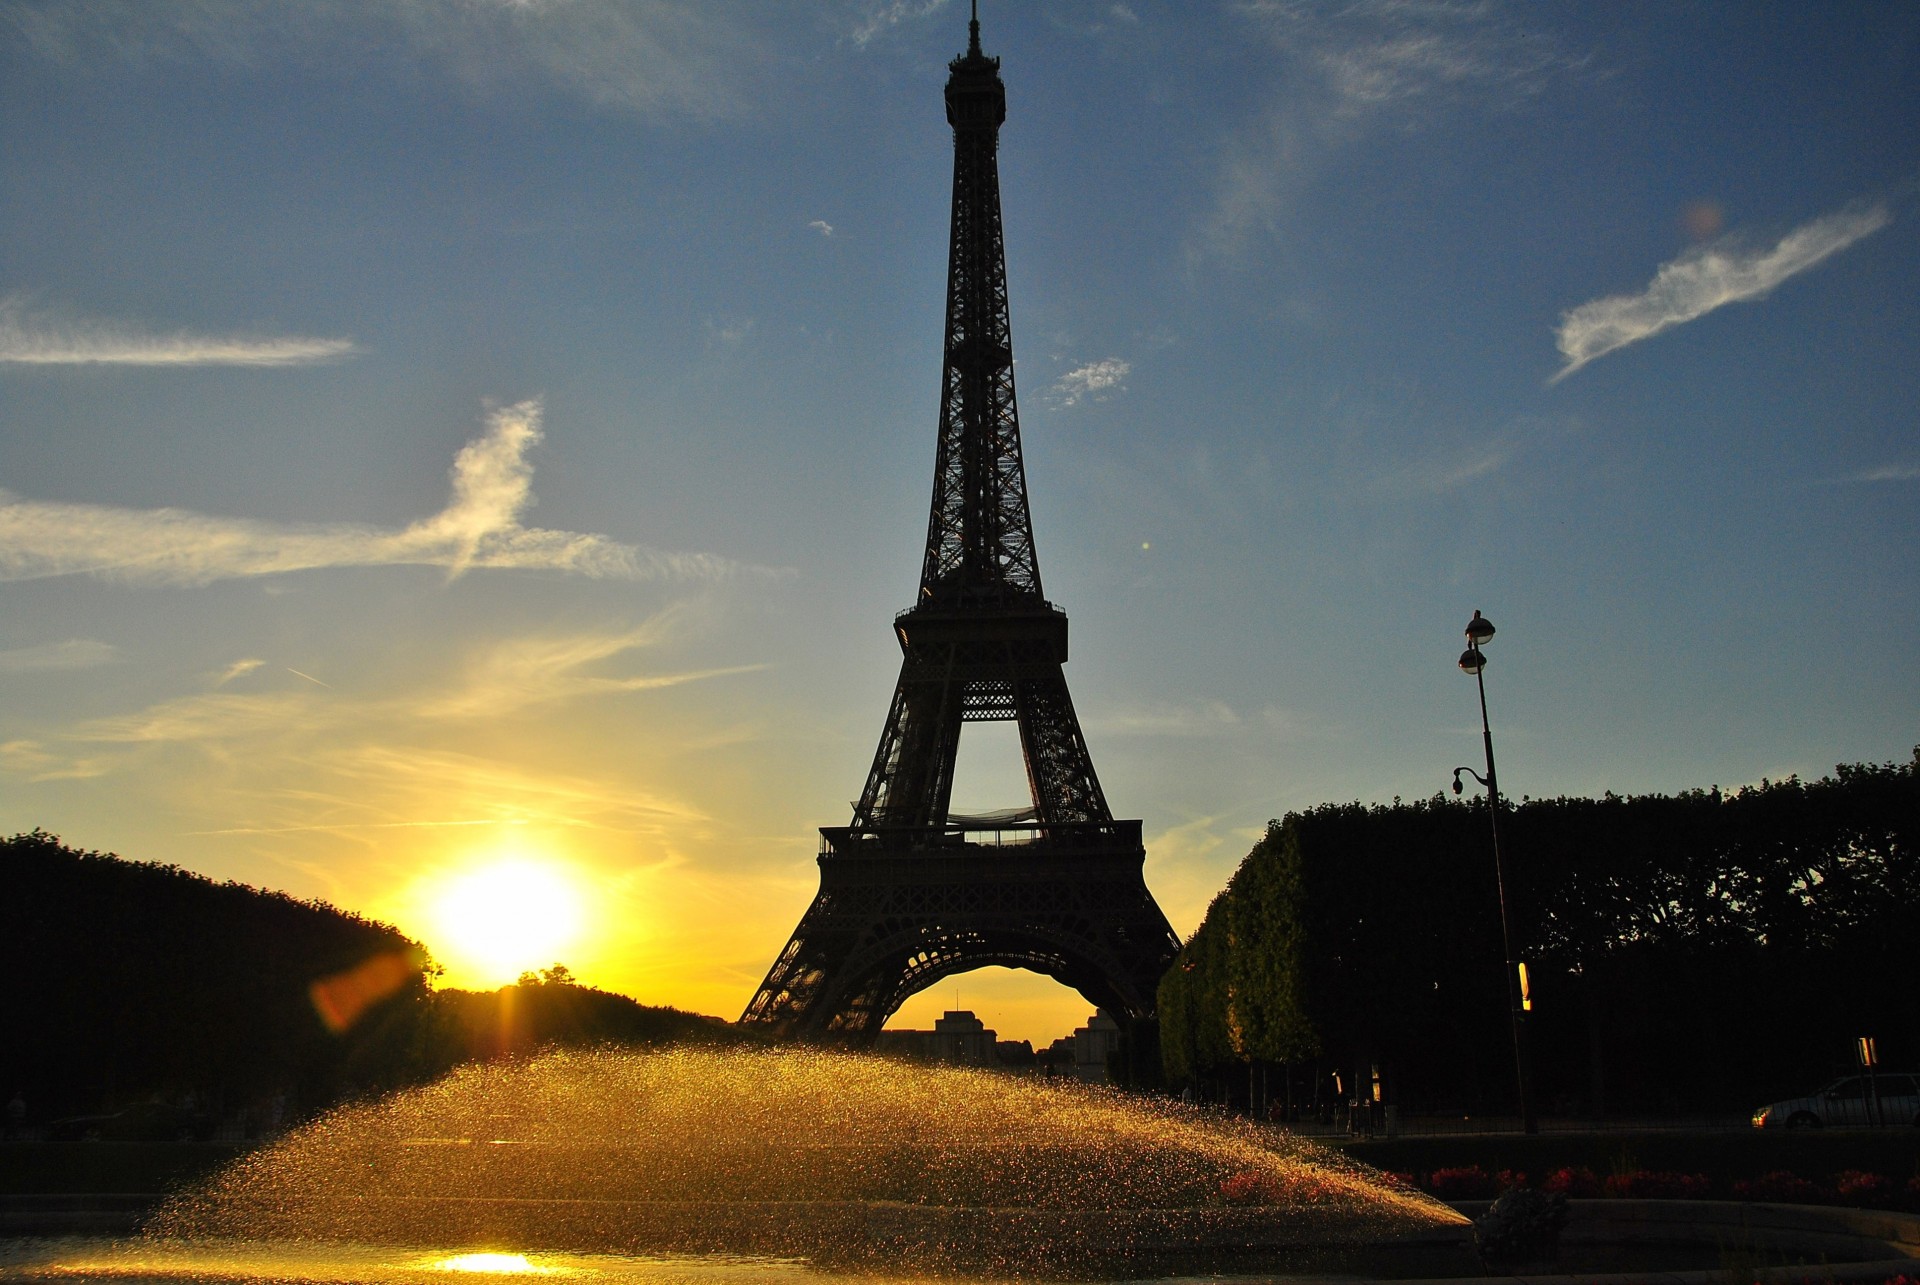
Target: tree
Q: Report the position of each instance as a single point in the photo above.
(1705, 949)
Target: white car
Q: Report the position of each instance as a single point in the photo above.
(1890, 1100)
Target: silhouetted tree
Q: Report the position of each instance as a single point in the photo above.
(1704, 950)
(126, 981)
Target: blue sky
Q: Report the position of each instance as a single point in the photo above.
(435, 432)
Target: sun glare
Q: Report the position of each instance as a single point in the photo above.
(493, 1264)
(493, 922)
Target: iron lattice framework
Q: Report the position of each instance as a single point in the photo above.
(908, 892)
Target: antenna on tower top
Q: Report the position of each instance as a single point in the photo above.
(973, 32)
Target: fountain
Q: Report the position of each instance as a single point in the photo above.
(708, 1164)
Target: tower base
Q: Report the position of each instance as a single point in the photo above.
(900, 909)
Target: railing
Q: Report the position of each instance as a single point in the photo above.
(1001, 600)
(1062, 838)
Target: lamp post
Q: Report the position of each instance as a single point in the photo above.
(1472, 661)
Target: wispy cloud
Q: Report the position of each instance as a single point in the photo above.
(1096, 379)
(492, 738)
(41, 339)
(527, 671)
(74, 653)
(32, 760)
(1886, 473)
(1374, 53)
(728, 333)
(1169, 719)
(480, 528)
(692, 59)
(1440, 477)
(238, 669)
(821, 226)
(493, 682)
(877, 17)
(209, 716)
(1395, 456)
(1346, 71)
(382, 785)
(1707, 277)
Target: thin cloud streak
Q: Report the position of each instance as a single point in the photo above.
(32, 339)
(479, 528)
(210, 716)
(654, 58)
(505, 679)
(884, 15)
(74, 653)
(1887, 473)
(1372, 54)
(508, 792)
(1169, 719)
(238, 669)
(32, 760)
(390, 787)
(1704, 279)
(538, 671)
(1347, 71)
(346, 825)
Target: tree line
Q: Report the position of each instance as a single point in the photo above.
(127, 981)
(1706, 951)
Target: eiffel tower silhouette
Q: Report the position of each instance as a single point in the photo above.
(909, 892)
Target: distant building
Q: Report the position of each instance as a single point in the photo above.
(1015, 1055)
(1084, 1054)
(958, 1039)
(963, 1040)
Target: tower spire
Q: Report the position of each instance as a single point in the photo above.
(979, 534)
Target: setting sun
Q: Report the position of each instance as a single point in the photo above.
(492, 922)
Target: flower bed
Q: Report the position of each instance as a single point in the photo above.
(1850, 1188)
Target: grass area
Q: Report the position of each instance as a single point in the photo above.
(1724, 1157)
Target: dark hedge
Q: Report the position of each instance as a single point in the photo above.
(1701, 952)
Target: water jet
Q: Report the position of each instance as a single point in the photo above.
(708, 1161)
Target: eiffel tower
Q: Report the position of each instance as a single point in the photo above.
(909, 892)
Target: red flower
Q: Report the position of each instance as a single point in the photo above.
(1575, 1183)
(1469, 1183)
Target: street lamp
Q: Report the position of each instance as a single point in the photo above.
(1473, 661)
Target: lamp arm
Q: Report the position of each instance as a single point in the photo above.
(1470, 772)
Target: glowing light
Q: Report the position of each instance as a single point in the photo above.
(495, 1264)
(495, 921)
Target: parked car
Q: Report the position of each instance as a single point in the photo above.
(1889, 1099)
(142, 1122)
